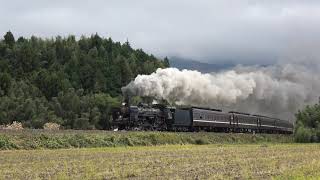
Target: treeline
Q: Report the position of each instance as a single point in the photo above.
(307, 127)
(69, 81)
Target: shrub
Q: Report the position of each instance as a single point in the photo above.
(38, 139)
(201, 141)
(14, 126)
(5, 143)
(317, 133)
(303, 135)
(307, 124)
(51, 126)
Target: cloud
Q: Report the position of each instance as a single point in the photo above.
(246, 32)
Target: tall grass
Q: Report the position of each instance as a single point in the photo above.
(40, 139)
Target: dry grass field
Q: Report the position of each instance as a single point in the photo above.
(263, 161)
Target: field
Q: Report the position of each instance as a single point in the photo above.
(38, 154)
(259, 161)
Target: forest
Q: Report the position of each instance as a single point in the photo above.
(71, 81)
(307, 125)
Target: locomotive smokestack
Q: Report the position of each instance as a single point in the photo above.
(126, 100)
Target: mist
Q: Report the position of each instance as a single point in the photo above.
(277, 91)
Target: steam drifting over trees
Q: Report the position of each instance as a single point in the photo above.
(279, 90)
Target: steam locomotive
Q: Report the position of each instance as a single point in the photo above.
(158, 117)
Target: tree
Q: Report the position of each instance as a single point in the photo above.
(74, 83)
(105, 103)
(100, 82)
(82, 122)
(166, 62)
(125, 71)
(95, 116)
(87, 77)
(307, 127)
(9, 39)
(5, 83)
(96, 41)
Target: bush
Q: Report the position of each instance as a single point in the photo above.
(51, 126)
(5, 143)
(307, 126)
(201, 141)
(303, 135)
(14, 126)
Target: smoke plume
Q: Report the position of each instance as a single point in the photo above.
(278, 91)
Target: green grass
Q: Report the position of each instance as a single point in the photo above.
(254, 161)
(39, 139)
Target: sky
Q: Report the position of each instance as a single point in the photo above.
(215, 31)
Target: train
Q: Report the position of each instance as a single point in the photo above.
(159, 117)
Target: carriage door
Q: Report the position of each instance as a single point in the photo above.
(235, 121)
(232, 120)
(259, 123)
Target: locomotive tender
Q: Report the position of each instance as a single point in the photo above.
(163, 118)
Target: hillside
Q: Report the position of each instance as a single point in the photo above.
(203, 67)
(70, 81)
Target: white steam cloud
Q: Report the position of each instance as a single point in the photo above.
(278, 91)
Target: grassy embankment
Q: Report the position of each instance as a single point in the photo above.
(37, 139)
(264, 161)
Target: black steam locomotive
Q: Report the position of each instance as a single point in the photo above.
(159, 117)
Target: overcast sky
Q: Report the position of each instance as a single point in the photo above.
(257, 32)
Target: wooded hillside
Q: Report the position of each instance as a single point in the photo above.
(70, 81)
